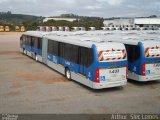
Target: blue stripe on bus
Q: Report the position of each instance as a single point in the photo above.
(152, 60)
(32, 49)
(37, 51)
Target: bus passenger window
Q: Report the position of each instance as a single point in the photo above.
(67, 51)
(35, 42)
(55, 48)
(28, 40)
(23, 39)
(40, 43)
(50, 46)
(85, 56)
(74, 54)
(61, 50)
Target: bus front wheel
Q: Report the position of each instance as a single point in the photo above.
(36, 58)
(23, 51)
(68, 74)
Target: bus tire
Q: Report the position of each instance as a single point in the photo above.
(36, 58)
(68, 74)
(23, 51)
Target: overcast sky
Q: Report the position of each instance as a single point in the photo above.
(101, 8)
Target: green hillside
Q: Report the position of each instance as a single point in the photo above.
(31, 22)
(7, 18)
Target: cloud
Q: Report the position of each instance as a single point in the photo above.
(92, 7)
(115, 2)
(102, 8)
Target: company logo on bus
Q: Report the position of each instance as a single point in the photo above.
(111, 55)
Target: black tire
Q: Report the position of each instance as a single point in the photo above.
(23, 51)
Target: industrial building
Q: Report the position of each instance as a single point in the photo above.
(147, 22)
(118, 22)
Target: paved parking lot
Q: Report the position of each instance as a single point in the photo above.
(27, 86)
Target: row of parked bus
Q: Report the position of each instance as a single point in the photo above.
(96, 59)
(20, 29)
(7, 29)
(4, 29)
(61, 28)
(109, 28)
(131, 27)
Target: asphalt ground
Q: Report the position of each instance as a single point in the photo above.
(27, 86)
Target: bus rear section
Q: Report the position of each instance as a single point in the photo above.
(151, 66)
(112, 66)
(144, 61)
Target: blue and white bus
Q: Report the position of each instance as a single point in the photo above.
(95, 64)
(143, 56)
(143, 50)
(143, 60)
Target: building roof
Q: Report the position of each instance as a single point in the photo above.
(147, 21)
(137, 21)
(52, 18)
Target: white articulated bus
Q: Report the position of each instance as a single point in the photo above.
(95, 64)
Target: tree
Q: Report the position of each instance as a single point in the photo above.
(153, 16)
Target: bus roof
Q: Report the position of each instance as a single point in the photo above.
(136, 41)
(36, 33)
(83, 40)
(88, 38)
(42, 33)
(126, 37)
(135, 38)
